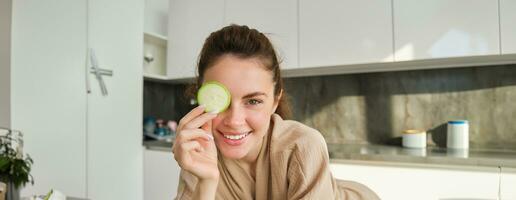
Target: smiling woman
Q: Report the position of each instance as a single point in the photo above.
(250, 150)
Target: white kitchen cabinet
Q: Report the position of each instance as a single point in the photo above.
(85, 145)
(155, 39)
(276, 19)
(333, 32)
(407, 183)
(190, 23)
(114, 124)
(48, 97)
(155, 56)
(161, 175)
(508, 26)
(508, 183)
(440, 28)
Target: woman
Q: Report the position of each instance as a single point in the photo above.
(249, 151)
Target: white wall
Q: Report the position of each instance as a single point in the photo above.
(5, 63)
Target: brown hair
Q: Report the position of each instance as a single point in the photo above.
(243, 42)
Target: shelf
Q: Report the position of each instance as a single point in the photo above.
(155, 38)
(155, 77)
(165, 79)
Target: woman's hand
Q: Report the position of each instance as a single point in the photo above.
(194, 148)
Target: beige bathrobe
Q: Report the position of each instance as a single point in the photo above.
(293, 163)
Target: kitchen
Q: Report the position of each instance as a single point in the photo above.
(360, 73)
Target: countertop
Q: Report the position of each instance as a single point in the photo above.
(158, 145)
(344, 153)
(426, 156)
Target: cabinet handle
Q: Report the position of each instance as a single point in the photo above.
(87, 74)
(99, 72)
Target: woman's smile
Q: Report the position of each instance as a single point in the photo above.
(234, 138)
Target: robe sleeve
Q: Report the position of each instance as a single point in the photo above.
(186, 186)
(309, 175)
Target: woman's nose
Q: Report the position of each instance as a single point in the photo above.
(234, 116)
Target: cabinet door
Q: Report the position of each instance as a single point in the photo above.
(508, 183)
(334, 32)
(440, 28)
(190, 23)
(403, 183)
(161, 175)
(276, 19)
(115, 153)
(49, 92)
(508, 26)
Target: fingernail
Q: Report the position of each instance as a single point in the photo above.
(202, 106)
(214, 112)
(210, 136)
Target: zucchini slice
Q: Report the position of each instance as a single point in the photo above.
(215, 96)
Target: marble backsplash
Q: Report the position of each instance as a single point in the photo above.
(165, 101)
(377, 107)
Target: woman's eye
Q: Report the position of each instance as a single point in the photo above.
(254, 101)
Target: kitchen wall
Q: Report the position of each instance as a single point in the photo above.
(377, 107)
(165, 101)
(5, 63)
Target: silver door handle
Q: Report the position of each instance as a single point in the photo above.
(99, 72)
(105, 72)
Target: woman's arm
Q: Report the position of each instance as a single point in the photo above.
(190, 187)
(206, 189)
(196, 154)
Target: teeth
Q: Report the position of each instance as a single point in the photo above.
(236, 137)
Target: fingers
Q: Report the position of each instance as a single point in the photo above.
(182, 153)
(191, 115)
(199, 121)
(185, 136)
(191, 145)
(207, 127)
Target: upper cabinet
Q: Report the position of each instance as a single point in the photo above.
(352, 36)
(276, 19)
(155, 39)
(156, 17)
(508, 26)
(190, 22)
(335, 32)
(440, 28)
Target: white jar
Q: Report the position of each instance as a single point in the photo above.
(414, 139)
(458, 134)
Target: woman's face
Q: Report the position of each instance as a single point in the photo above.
(239, 130)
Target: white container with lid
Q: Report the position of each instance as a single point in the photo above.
(414, 139)
(457, 136)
